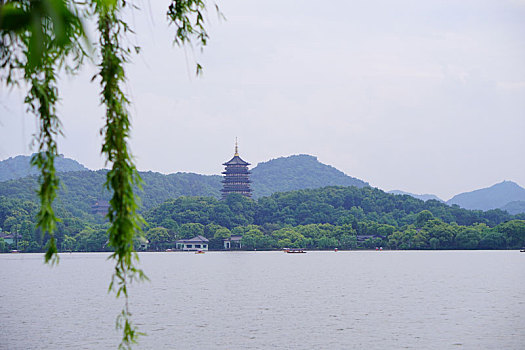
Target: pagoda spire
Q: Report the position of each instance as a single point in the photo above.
(236, 148)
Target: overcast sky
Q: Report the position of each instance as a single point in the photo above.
(422, 96)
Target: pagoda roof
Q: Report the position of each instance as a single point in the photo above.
(236, 160)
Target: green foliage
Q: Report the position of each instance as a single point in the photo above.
(123, 176)
(514, 232)
(337, 217)
(68, 244)
(492, 240)
(222, 233)
(38, 37)
(423, 217)
(467, 238)
(190, 230)
(159, 238)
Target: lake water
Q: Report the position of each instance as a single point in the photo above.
(271, 300)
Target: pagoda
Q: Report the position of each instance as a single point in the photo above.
(236, 176)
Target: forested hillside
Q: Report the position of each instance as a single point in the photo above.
(19, 166)
(183, 205)
(330, 205)
(81, 189)
(295, 173)
(344, 217)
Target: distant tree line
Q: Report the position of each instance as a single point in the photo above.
(327, 218)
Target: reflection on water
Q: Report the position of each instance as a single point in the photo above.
(264, 300)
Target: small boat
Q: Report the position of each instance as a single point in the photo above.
(295, 250)
(199, 252)
(522, 250)
(14, 251)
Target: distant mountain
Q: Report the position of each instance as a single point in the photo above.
(295, 173)
(496, 196)
(19, 166)
(515, 207)
(423, 197)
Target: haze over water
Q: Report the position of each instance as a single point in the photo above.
(271, 300)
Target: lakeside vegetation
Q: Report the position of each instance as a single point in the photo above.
(326, 218)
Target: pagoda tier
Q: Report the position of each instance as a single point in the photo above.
(236, 176)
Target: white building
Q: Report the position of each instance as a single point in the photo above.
(233, 242)
(195, 243)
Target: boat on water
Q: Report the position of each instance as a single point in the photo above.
(199, 252)
(295, 250)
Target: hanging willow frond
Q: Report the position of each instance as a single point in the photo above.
(37, 37)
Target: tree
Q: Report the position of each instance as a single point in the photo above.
(68, 244)
(252, 239)
(514, 231)
(191, 230)
(423, 217)
(222, 233)
(492, 240)
(467, 238)
(348, 241)
(158, 237)
(9, 224)
(442, 234)
(327, 243)
(288, 237)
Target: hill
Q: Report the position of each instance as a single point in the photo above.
(515, 207)
(423, 197)
(19, 167)
(80, 189)
(295, 173)
(496, 196)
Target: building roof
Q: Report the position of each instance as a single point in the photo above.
(197, 239)
(236, 160)
(233, 238)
